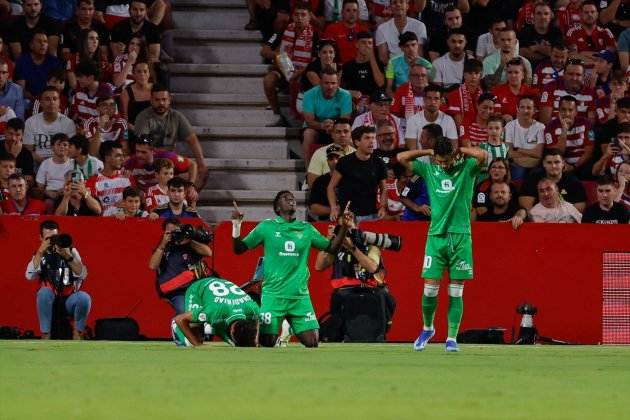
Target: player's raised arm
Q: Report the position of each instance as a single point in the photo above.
(346, 222)
(475, 152)
(237, 218)
(405, 158)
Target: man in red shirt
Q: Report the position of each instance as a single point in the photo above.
(573, 136)
(344, 32)
(588, 38)
(461, 103)
(552, 68)
(571, 83)
(18, 202)
(569, 15)
(90, 89)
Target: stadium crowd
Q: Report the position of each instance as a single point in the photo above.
(541, 86)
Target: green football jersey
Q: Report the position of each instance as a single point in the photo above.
(450, 194)
(286, 249)
(219, 303)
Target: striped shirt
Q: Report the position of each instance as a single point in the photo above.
(299, 48)
(546, 73)
(108, 191)
(472, 131)
(556, 90)
(494, 151)
(114, 133)
(84, 105)
(579, 136)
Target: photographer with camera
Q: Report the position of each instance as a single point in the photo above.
(58, 267)
(178, 260)
(358, 269)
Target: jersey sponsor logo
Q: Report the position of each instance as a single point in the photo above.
(481, 198)
(289, 250)
(446, 187)
(310, 316)
(463, 266)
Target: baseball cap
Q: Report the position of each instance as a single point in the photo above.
(606, 55)
(380, 96)
(334, 150)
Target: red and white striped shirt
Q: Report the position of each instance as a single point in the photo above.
(545, 73)
(109, 190)
(156, 196)
(599, 39)
(84, 105)
(556, 90)
(579, 137)
(114, 133)
(119, 64)
(299, 48)
(472, 131)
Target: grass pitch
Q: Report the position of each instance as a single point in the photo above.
(156, 380)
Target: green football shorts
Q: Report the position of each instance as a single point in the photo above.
(298, 311)
(452, 251)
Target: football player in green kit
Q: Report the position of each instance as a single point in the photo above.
(287, 243)
(231, 313)
(450, 179)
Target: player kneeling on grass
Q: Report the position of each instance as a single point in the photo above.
(231, 313)
(450, 179)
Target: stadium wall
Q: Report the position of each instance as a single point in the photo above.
(558, 268)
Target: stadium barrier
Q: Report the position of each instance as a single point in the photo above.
(558, 268)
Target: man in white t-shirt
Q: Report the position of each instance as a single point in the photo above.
(449, 68)
(387, 33)
(40, 128)
(551, 208)
(51, 173)
(525, 138)
(430, 114)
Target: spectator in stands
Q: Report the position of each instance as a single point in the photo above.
(319, 164)
(89, 52)
(603, 62)
(84, 103)
(571, 189)
(571, 83)
(344, 32)
(573, 136)
(61, 273)
(318, 205)
(451, 20)
(606, 103)
(536, 40)
(141, 164)
(32, 68)
(12, 146)
(462, 102)
(78, 151)
(11, 95)
(409, 97)
(322, 105)
(131, 205)
(489, 42)
(474, 132)
(40, 128)
(568, 15)
(495, 147)
(398, 68)
(607, 132)
(378, 113)
(365, 74)
(333, 11)
(176, 206)
(326, 56)
(387, 33)
(614, 15)
(551, 69)
(177, 264)
(499, 172)
(502, 208)
(494, 65)
(76, 199)
(18, 202)
(551, 208)
(136, 96)
(166, 126)
(106, 126)
(588, 38)
(516, 87)
(6, 56)
(108, 185)
(397, 179)
(388, 138)
(615, 153)
(525, 138)
(157, 195)
(57, 79)
(84, 20)
(137, 23)
(297, 42)
(124, 64)
(448, 70)
(359, 176)
(430, 114)
(606, 210)
(7, 168)
(623, 51)
(622, 175)
(415, 198)
(51, 173)
(25, 27)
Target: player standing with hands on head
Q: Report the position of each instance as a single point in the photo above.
(450, 179)
(286, 243)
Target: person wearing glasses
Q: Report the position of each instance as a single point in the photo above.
(398, 68)
(409, 97)
(378, 113)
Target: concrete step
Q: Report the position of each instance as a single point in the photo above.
(237, 117)
(253, 180)
(204, 84)
(254, 70)
(209, 17)
(223, 4)
(219, 52)
(246, 133)
(197, 36)
(216, 100)
(280, 165)
(246, 149)
(225, 197)
(215, 214)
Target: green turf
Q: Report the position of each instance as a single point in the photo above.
(156, 380)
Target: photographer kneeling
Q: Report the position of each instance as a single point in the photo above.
(178, 260)
(358, 268)
(58, 267)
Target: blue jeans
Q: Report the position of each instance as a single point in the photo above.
(366, 218)
(518, 173)
(177, 302)
(77, 304)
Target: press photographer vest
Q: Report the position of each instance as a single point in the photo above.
(57, 274)
(179, 267)
(347, 272)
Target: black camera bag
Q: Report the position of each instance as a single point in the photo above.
(364, 315)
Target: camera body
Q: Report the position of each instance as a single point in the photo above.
(187, 231)
(62, 240)
(381, 240)
(526, 309)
